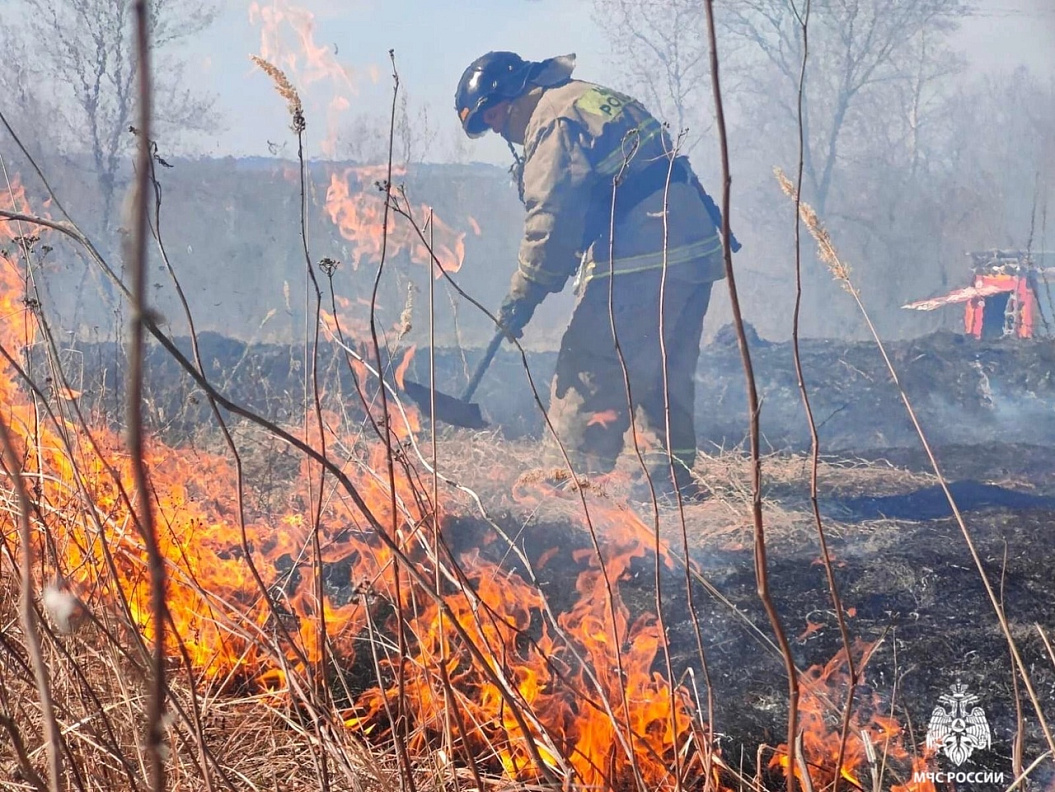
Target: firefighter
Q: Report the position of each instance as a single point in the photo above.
(583, 143)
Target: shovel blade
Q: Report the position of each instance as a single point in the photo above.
(449, 410)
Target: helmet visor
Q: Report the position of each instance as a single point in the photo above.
(473, 119)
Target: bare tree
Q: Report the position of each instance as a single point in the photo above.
(364, 137)
(659, 47)
(1002, 139)
(857, 48)
(860, 49)
(83, 53)
(17, 91)
(893, 154)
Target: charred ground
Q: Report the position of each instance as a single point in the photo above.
(966, 392)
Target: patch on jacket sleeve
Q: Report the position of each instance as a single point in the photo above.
(603, 102)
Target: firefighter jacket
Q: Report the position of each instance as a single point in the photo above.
(578, 139)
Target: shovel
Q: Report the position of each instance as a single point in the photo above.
(450, 410)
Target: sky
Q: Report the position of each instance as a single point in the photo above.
(434, 40)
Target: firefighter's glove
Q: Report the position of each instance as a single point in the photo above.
(520, 304)
(514, 315)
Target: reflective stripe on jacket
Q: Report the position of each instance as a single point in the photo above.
(579, 137)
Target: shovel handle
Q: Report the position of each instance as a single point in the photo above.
(481, 367)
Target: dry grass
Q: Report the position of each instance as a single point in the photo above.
(500, 470)
(286, 90)
(253, 742)
(218, 737)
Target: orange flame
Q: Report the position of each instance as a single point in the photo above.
(823, 693)
(567, 673)
(357, 209)
(359, 214)
(603, 418)
(401, 369)
(305, 60)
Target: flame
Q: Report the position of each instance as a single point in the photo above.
(348, 320)
(401, 369)
(599, 709)
(359, 213)
(823, 694)
(13, 198)
(13, 288)
(811, 628)
(305, 60)
(348, 326)
(603, 418)
(227, 629)
(353, 202)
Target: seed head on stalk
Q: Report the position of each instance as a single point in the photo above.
(839, 269)
(285, 90)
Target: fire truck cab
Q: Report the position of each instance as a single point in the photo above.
(1005, 304)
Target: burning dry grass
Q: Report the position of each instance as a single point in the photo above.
(251, 742)
(222, 732)
(324, 630)
(238, 627)
(334, 625)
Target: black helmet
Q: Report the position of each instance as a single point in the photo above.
(490, 79)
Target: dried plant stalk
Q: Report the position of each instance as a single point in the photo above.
(839, 269)
(286, 90)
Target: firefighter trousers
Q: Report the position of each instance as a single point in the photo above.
(590, 401)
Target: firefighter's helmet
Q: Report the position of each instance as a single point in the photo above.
(490, 79)
(500, 76)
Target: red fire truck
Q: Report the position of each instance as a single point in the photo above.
(1002, 299)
